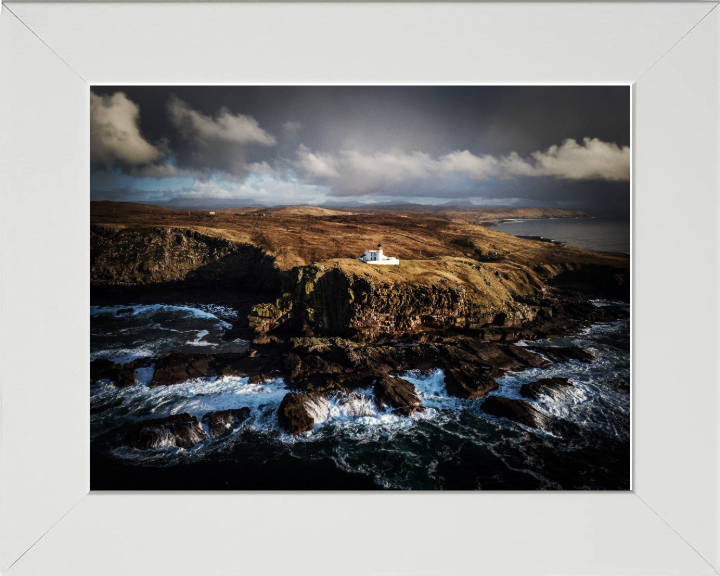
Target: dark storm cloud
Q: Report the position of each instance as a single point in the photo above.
(221, 141)
(558, 145)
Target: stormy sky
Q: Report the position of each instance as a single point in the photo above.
(215, 146)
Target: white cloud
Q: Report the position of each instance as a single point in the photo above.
(224, 127)
(395, 167)
(263, 190)
(467, 163)
(115, 135)
(593, 159)
(260, 168)
(359, 172)
(316, 164)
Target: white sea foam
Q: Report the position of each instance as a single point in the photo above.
(145, 310)
(143, 376)
(123, 355)
(431, 385)
(589, 403)
(199, 339)
(216, 310)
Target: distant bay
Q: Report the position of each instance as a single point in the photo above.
(598, 233)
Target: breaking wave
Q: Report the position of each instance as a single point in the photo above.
(124, 333)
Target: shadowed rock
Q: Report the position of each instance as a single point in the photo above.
(408, 411)
(293, 413)
(468, 383)
(180, 430)
(102, 368)
(179, 367)
(259, 368)
(495, 355)
(396, 393)
(553, 387)
(518, 410)
(525, 413)
(126, 377)
(224, 421)
(122, 375)
(619, 385)
(524, 355)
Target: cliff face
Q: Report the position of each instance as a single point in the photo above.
(345, 297)
(133, 257)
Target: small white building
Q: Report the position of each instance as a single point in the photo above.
(377, 257)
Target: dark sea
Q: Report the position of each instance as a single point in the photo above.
(354, 445)
(597, 233)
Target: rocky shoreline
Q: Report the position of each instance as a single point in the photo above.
(333, 327)
(317, 368)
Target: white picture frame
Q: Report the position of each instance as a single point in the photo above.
(50, 53)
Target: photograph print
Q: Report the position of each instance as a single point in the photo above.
(360, 287)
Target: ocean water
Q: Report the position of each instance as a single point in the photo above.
(124, 333)
(604, 234)
(354, 445)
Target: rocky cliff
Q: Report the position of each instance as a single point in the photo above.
(142, 256)
(347, 298)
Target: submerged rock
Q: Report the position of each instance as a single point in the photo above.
(520, 411)
(553, 387)
(180, 430)
(294, 414)
(468, 383)
(396, 393)
(565, 353)
(224, 421)
(526, 413)
(179, 367)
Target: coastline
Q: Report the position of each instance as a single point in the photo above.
(285, 356)
(602, 233)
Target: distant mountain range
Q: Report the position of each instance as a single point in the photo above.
(355, 206)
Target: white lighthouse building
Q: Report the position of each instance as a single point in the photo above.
(377, 257)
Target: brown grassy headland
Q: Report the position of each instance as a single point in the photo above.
(302, 262)
(302, 235)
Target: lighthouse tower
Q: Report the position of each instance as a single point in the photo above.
(377, 257)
